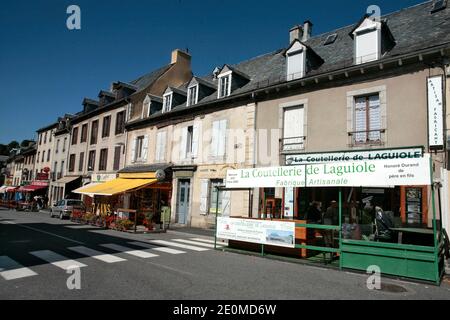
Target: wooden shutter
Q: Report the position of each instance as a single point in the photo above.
(215, 138)
(184, 133)
(160, 146)
(117, 152)
(361, 120)
(374, 118)
(204, 196)
(145, 148)
(221, 146)
(195, 141)
(133, 150)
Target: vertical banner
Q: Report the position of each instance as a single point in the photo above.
(435, 113)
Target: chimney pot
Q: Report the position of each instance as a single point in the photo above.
(296, 33)
(178, 55)
(307, 30)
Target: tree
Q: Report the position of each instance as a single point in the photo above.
(25, 143)
(13, 145)
(4, 150)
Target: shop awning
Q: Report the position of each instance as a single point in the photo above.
(116, 186)
(32, 188)
(3, 189)
(66, 180)
(90, 185)
(11, 189)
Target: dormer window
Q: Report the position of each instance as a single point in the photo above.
(192, 98)
(167, 102)
(224, 85)
(146, 108)
(367, 41)
(296, 61)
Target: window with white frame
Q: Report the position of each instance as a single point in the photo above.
(129, 111)
(296, 62)
(192, 98)
(140, 149)
(368, 123)
(189, 142)
(218, 141)
(225, 85)
(293, 129)
(146, 108)
(161, 146)
(367, 42)
(167, 102)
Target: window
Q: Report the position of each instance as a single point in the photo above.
(40, 139)
(84, 130)
(38, 157)
(72, 163)
(218, 142)
(192, 96)
(367, 119)
(225, 86)
(57, 146)
(140, 149)
(296, 62)
(367, 42)
(214, 201)
(62, 170)
(189, 143)
(64, 144)
(293, 129)
(81, 162)
(103, 160)
(146, 108)
(167, 104)
(117, 153)
(106, 126)
(120, 122)
(75, 136)
(160, 146)
(48, 155)
(91, 160)
(129, 112)
(94, 132)
(45, 138)
(43, 156)
(50, 136)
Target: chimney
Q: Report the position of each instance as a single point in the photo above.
(296, 33)
(307, 30)
(180, 56)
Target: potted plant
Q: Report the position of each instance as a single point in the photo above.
(149, 221)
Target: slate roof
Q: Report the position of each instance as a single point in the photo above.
(413, 29)
(144, 81)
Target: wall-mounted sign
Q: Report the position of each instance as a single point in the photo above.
(435, 113)
(42, 176)
(103, 177)
(386, 154)
(273, 233)
(375, 173)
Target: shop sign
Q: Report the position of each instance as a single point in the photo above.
(399, 172)
(273, 233)
(98, 177)
(435, 113)
(409, 153)
(42, 176)
(40, 183)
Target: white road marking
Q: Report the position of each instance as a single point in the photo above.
(161, 249)
(79, 227)
(179, 245)
(207, 240)
(136, 253)
(57, 259)
(207, 245)
(10, 269)
(108, 258)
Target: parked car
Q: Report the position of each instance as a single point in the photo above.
(64, 208)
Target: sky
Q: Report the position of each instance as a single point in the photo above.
(46, 70)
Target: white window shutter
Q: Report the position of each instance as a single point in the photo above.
(215, 138)
(360, 120)
(195, 141)
(204, 196)
(374, 118)
(226, 203)
(145, 148)
(184, 133)
(133, 150)
(161, 146)
(222, 138)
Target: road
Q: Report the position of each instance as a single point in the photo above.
(36, 251)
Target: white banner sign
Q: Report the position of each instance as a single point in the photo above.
(435, 113)
(387, 154)
(273, 233)
(399, 172)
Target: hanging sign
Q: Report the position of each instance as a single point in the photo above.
(435, 113)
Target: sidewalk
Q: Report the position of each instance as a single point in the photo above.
(189, 230)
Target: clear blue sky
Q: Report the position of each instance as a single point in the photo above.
(46, 70)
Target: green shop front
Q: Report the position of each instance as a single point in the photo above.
(351, 210)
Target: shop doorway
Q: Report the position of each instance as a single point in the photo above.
(183, 201)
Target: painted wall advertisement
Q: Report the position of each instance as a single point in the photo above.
(396, 172)
(273, 233)
(435, 113)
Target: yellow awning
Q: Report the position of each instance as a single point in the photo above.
(116, 186)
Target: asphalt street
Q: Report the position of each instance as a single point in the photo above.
(36, 252)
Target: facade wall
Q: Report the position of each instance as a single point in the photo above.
(44, 145)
